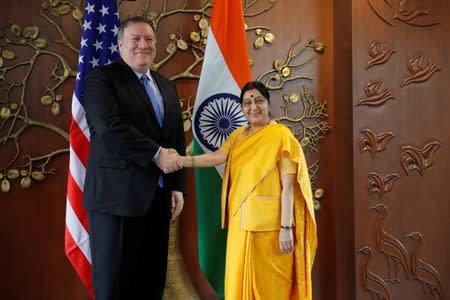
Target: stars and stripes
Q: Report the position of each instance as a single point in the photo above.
(98, 46)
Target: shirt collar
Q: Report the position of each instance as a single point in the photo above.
(139, 75)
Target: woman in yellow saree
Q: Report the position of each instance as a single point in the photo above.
(266, 205)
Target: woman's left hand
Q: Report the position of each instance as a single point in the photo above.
(286, 240)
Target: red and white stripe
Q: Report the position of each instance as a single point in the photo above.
(76, 232)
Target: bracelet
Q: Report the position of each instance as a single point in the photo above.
(285, 227)
(192, 160)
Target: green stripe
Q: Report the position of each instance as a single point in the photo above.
(211, 238)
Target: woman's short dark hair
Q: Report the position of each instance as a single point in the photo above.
(131, 21)
(255, 85)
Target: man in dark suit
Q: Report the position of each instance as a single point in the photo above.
(134, 118)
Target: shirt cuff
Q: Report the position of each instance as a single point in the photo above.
(156, 155)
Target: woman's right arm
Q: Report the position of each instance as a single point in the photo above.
(209, 159)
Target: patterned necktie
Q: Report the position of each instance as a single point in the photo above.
(153, 99)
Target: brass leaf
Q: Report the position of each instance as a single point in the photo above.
(58, 97)
(13, 173)
(294, 97)
(286, 71)
(30, 32)
(259, 31)
(23, 173)
(5, 112)
(277, 65)
(203, 23)
(16, 30)
(195, 36)
(1, 62)
(25, 182)
(77, 14)
(197, 17)
(53, 2)
(269, 37)
(319, 193)
(46, 100)
(319, 47)
(5, 186)
(8, 54)
(181, 44)
(259, 42)
(152, 16)
(171, 48)
(41, 43)
(14, 106)
(316, 205)
(38, 175)
(56, 108)
(64, 9)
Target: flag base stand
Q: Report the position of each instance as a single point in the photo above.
(178, 283)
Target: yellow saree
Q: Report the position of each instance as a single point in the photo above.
(251, 209)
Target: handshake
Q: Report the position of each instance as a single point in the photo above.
(169, 160)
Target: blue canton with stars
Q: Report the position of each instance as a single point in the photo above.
(98, 44)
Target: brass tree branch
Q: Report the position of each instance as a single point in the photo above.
(63, 40)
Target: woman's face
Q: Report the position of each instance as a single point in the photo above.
(255, 108)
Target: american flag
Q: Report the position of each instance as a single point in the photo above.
(98, 47)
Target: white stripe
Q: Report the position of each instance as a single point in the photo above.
(79, 115)
(215, 76)
(76, 230)
(77, 169)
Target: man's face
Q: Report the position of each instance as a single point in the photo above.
(138, 46)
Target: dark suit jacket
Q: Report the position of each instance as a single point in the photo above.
(121, 177)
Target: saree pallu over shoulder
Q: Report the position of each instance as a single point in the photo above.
(256, 156)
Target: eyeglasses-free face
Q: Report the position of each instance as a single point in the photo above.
(255, 108)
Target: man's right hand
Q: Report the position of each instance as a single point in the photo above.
(169, 160)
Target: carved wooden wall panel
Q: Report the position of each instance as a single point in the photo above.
(400, 89)
(381, 85)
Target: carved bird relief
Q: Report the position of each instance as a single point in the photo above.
(418, 159)
(372, 282)
(409, 12)
(421, 69)
(424, 272)
(390, 247)
(376, 94)
(372, 142)
(380, 184)
(379, 52)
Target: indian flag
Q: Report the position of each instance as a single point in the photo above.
(217, 113)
